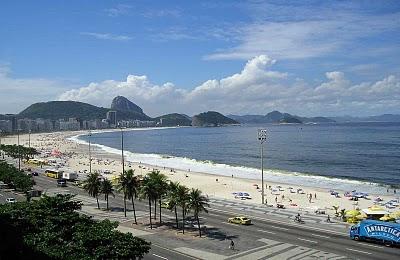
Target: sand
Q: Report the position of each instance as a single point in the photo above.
(74, 157)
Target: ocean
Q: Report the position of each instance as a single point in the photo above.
(346, 156)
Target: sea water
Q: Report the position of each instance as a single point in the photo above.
(346, 156)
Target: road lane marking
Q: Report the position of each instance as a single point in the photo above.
(160, 257)
(281, 228)
(286, 223)
(359, 251)
(1, 195)
(363, 244)
(315, 235)
(265, 231)
(311, 241)
(212, 214)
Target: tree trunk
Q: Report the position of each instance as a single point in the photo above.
(124, 206)
(176, 218)
(151, 226)
(183, 220)
(160, 210)
(98, 205)
(198, 224)
(155, 208)
(107, 201)
(134, 211)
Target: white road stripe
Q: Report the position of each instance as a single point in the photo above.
(359, 251)
(365, 244)
(212, 214)
(160, 257)
(1, 195)
(281, 228)
(265, 231)
(311, 241)
(315, 235)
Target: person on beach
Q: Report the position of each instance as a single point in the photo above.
(276, 199)
(315, 195)
(328, 219)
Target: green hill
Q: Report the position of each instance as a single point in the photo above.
(174, 120)
(66, 109)
(212, 118)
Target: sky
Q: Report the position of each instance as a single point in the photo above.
(309, 58)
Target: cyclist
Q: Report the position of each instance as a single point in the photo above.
(232, 245)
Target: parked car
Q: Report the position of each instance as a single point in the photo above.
(35, 173)
(11, 200)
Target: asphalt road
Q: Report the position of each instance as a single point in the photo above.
(323, 238)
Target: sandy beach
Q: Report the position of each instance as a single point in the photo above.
(74, 157)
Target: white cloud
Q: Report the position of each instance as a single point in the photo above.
(256, 89)
(305, 38)
(18, 93)
(118, 10)
(107, 36)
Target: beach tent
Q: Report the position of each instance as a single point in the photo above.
(386, 218)
(375, 212)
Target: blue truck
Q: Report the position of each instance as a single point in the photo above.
(387, 233)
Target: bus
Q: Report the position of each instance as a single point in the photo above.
(52, 173)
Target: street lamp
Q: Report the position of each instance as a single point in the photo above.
(122, 149)
(262, 137)
(90, 153)
(1, 151)
(29, 138)
(19, 153)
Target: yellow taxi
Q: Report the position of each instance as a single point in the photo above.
(240, 220)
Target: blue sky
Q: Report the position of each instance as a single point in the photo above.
(304, 57)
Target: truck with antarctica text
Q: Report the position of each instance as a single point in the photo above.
(387, 233)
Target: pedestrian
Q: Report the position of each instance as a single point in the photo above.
(232, 245)
(216, 180)
(283, 197)
(328, 219)
(276, 199)
(387, 190)
(315, 195)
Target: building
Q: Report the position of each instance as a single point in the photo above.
(71, 125)
(112, 118)
(6, 126)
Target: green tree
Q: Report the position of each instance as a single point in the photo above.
(197, 203)
(147, 191)
(160, 183)
(173, 199)
(128, 184)
(107, 189)
(92, 185)
(183, 199)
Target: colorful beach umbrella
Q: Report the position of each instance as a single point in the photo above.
(352, 213)
(386, 218)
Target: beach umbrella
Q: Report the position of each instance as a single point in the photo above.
(361, 216)
(395, 214)
(352, 213)
(386, 218)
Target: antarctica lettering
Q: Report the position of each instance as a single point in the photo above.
(383, 231)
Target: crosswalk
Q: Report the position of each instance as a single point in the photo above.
(271, 250)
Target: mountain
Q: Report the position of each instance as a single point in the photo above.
(174, 120)
(278, 117)
(212, 118)
(121, 103)
(380, 118)
(66, 109)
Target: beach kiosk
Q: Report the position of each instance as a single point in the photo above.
(375, 212)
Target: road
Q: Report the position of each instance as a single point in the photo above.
(270, 236)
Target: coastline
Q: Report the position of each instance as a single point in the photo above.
(221, 186)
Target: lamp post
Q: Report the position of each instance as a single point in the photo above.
(262, 137)
(90, 153)
(29, 138)
(122, 149)
(1, 151)
(19, 152)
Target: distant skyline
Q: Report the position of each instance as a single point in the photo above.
(309, 58)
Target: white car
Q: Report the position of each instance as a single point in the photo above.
(11, 200)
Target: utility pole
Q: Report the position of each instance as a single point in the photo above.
(122, 149)
(19, 151)
(262, 137)
(90, 153)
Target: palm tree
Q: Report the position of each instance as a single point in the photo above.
(160, 183)
(183, 199)
(173, 199)
(107, 189)
(123, 186)
(147, 190)
(132, 189)
(197, 203)
(92, 185)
